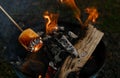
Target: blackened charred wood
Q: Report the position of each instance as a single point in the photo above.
(58, 45)
(72, 35)
(54, 50)
(67, 45)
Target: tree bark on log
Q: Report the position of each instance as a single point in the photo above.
(85, 48)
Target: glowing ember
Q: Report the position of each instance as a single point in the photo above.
(50, 72)
(51, 24)
(36, 48)
(30, 40)
(73, 6)
(93, 15)
(39, 76)
(35, 44)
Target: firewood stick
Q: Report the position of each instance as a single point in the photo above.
(11, 18)
(91, 44)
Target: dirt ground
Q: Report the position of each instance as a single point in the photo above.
(32, 11)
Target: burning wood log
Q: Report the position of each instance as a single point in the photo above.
(85, 48)
(57, 45)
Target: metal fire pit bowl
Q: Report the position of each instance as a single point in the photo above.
(16, 54)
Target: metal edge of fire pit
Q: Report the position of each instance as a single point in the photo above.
(100, 58)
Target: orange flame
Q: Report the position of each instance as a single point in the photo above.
(51, 24)
(73, 6)
(93, 14)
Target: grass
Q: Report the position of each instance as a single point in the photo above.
(6, 70)
(111, 16)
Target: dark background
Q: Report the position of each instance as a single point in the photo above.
(31, 11)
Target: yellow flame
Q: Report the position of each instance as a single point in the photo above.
(51, 24)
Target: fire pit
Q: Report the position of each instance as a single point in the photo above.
(59, 50)
(31, 62)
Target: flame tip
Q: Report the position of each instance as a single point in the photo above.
(51, 24)
(93, 14)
